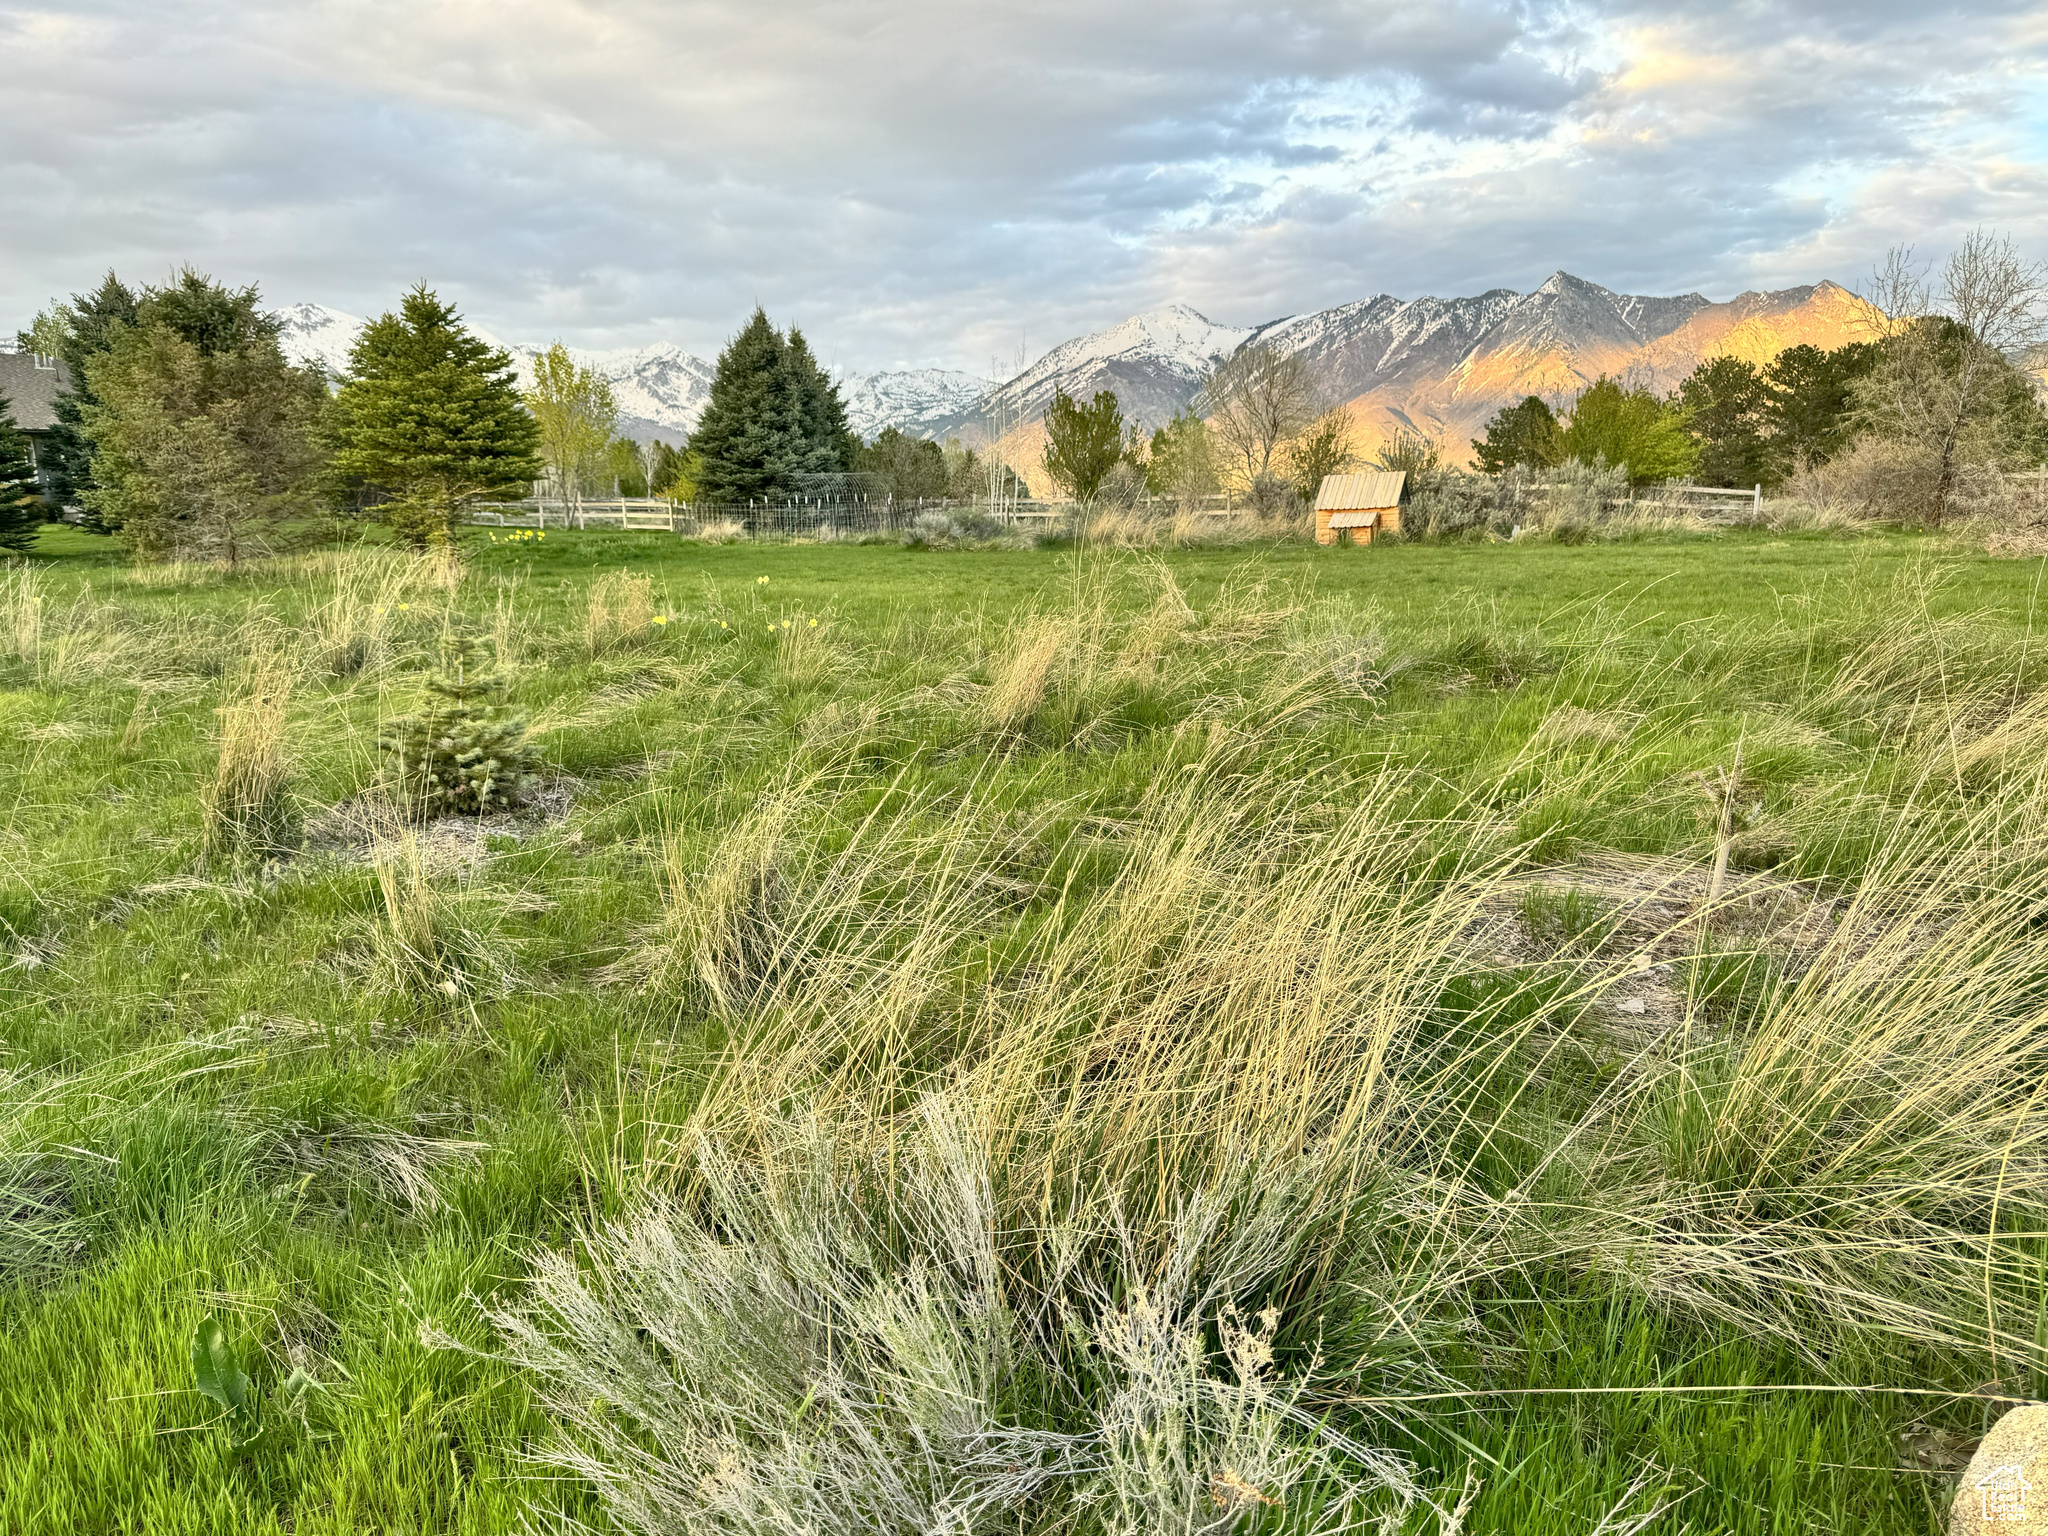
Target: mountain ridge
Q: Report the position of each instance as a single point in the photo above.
(1432, 365)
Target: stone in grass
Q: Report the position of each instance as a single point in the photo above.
(2004, 1492)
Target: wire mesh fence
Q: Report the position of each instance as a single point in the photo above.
(816, 518)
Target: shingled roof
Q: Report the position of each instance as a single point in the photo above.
(31, 385)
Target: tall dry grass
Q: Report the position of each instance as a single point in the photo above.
(247, 807)
(620, 611)
(1294, 1050)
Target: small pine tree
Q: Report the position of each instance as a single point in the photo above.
(465, 752)
(21, 501)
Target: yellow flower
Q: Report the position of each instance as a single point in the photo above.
(760, 581)
(405, 607)
(661, 618)
(814, 623)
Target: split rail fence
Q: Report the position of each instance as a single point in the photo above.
(852, 518)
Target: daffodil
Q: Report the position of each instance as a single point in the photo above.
(661, 618)
(760, 581)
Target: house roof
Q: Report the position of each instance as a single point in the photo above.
(32, 391)
(1361, 492)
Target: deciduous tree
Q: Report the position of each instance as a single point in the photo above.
(1258, 400)
(1328, 446)
(204, 438)
(574, 410)
(1182, 461)
(1944, 383)
(914, 467)
(1630, 428)
(1082, 442)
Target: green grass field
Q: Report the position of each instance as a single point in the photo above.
(1329, 934)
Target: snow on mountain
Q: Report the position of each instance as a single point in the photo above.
(1153, 362)
(313, 333)
(1443, 366)
(660, 390)
(912, 400)
(1438, 366)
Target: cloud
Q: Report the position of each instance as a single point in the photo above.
(930, 183)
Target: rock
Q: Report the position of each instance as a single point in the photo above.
(2004, 1491)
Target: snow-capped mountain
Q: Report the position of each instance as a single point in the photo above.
(313, 333)
(1438, 366)
(1154, 363)
(913, 400)
(660, 389)
(1442, 366)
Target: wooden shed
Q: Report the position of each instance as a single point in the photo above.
(1359, 505)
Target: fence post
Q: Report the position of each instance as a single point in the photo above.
(1756, 504)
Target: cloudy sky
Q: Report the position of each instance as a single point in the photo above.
(941, 183)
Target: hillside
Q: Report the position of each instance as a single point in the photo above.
(1442, 366)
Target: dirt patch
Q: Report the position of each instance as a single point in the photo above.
(1640, 919)
(358, 829)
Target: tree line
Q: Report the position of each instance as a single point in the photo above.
(1938, 390)
(187, 433)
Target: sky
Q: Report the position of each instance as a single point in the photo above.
(948, 184)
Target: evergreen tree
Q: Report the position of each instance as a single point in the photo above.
(1518, 434)
(429, 418)
(465, 752)
(22, 509)
(821, 414)
(86, 328)
(1728, 408)
(773, 418)
(749, 442)
(1811, 400)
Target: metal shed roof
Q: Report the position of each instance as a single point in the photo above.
(1373, 488)
(32, 391)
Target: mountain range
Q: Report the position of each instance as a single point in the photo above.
(661, 389)
(1439, 367)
